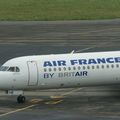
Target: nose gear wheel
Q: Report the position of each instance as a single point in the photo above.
(21, 99)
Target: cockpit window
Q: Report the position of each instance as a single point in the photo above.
(10, 69)
(14, 69)
(17, 69)
(4, 68)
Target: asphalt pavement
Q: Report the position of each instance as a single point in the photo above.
(37, 38)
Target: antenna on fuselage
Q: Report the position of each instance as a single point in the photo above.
(73, 51)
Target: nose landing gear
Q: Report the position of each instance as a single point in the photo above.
(21, 99)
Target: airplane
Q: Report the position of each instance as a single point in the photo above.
(71, 70)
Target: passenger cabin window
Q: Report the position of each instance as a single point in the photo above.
(117, 65)
(59, 69)
(55, 69)
(93, 67)
(50, 69)
(74, 68)
(112, 66)
(64, 68)
(83, 67)
(45, 70)
(79, 67)
(97, 66)
(69, 68)
(102, 66)
(107, 66)
(88, 67)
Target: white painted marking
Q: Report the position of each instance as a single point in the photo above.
(95, 31)
(18, 110)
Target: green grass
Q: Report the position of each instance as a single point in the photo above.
(59, 9)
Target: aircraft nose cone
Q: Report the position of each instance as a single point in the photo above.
(5, 80)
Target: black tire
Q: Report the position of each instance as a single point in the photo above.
(21, 99)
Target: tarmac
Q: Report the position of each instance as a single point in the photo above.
(37, 38)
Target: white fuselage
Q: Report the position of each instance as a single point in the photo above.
(61, 71)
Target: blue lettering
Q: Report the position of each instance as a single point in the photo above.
(73, 62)
(101, 60)
(54, 63)
(51, 75)
(47, 63)
(85, 73)
(61, 63)
(92, 61)
(117, 59)
(46, 75)
(77, 74)
(110, 60)
(82, 61)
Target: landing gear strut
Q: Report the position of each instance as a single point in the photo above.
(21, 99)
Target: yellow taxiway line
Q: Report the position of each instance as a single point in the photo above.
(65, 94)
(53, 102)
(36, 101)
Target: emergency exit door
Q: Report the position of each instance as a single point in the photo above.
(32, 73)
